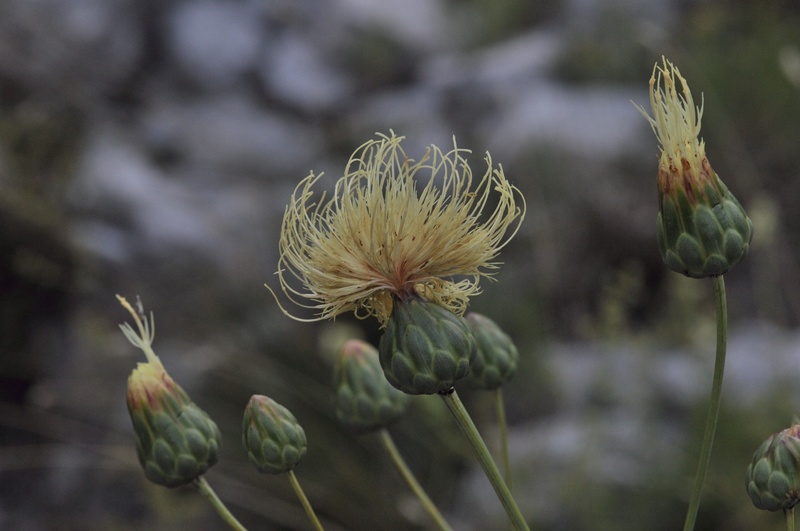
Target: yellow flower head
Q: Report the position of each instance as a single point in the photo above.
(676, 123)
(395, 228)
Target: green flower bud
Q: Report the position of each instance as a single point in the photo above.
(176, 441)
(425, 348)
(496, 362)
(364, 398)
(773, 478)
(703, 231)
(274, 440)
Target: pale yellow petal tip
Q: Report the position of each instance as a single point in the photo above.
(395, 227)
(146, 330)
(676, 119)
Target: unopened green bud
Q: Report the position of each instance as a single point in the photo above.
(176, 441)
(703, 231)
(364, 398)
(496, 362)
(274, 440)
(425, 348)
(703, 234)
(773, 478)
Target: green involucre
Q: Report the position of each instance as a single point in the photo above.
(705, 237)
(425, 348)
(176, 444)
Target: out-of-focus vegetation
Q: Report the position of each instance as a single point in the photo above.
(616, 350)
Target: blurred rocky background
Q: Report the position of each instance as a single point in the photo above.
(149, 147)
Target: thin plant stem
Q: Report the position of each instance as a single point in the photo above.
(713, 408)
(464, 422)
(304, 501)
(206, 490)
(503, 426)
(412, 482)
(789, 514)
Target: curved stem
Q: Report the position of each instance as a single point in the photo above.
(789, 514)
(304, 501)
(713, 408)
(412, 482)
(464, 422)
(501, 422)
(206, 490)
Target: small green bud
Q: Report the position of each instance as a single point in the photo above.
(176, 441)
(496, 362)
(773, 477)
(703, 233)
(364, 398)
(274, 440)
(425, 348)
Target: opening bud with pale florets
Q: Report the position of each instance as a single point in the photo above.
(702, 229)
(274, 440)
(364, 398)
(176, 441)
(773, 477)
(496, 360)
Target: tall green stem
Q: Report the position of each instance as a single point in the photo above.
(464, 422)
(713, 408)
(206, 490)
(789, 514)
(501, 422)
(412, 482)
(304, 501)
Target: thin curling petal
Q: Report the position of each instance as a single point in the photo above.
(395, 228)
(147, 331)
(676, 119)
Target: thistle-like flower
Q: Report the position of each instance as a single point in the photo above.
(702, 229)
(396, 229)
